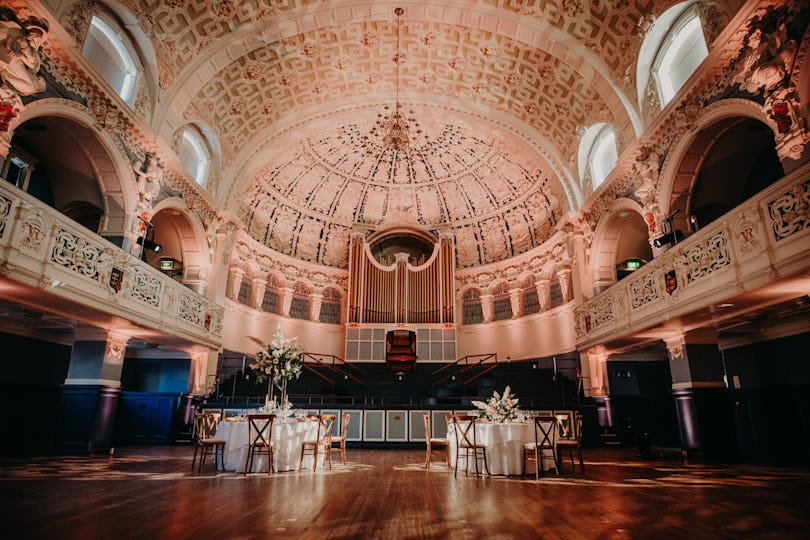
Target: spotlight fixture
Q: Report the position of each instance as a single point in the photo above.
(669, 238)
(149, 244)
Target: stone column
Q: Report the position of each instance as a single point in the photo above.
(286, 300)
(543, 293)
(315, 306)
(257, 286)
(514, 299)
(486, 307)
(236, 275)
(90, 393)
(564, 276)
(697, 375)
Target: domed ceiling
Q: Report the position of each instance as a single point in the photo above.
(290, 88)
(498, 201)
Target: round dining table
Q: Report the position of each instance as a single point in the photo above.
(288, 437)
(504, 446)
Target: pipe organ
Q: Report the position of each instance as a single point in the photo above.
(401, 292)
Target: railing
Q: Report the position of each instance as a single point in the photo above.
(317, 359)
(465, 364)
(42, 247)
(760, 242)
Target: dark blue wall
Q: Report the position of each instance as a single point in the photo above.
(30, 378)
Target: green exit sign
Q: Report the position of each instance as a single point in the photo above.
(166, 265)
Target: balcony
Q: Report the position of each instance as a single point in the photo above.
(755, 256)
(72, 271)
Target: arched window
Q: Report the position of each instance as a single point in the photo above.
(597, 153)
(110, 51)
(501, 303)
(330, 306)
(528, 295)
(556, 294)
(194, 154)
(672, 50)
(244, 291)
(299, 307)
(272, 294)
(471, 312)
(681, 52)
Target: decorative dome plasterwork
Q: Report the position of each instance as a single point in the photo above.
(492, 191)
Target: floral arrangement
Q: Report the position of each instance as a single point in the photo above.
(499, 408)
(279, 361)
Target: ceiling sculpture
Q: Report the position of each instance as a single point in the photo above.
(261, 72)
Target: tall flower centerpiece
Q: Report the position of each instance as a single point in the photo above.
(278, 362)
(499, 408)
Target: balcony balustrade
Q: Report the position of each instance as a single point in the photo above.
(42, 248)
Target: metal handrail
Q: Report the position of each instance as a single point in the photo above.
(467, 366)
(318, 360)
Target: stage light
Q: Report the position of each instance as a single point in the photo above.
(150, 245)
(669, 238)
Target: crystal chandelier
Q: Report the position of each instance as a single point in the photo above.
(392, 129)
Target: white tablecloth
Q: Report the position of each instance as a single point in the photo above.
(288, 436)
(504, 443)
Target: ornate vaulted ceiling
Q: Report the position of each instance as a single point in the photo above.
(501, 88)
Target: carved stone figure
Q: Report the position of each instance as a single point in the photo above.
(20, 43)
(149, 179)
(647, 171)
(768, 59)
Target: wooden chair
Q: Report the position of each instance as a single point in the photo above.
(205, 428)
(340, 440)
(322, 442)
(545, 440)
(574, 444)
(432, 442)
(260, 440)
(564, 424)
(466, 446)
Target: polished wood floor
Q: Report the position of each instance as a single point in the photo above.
(150, 492)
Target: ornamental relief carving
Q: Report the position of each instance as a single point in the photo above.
(5, 211)
(77, 254)
(145, 287)
(703, 259)
(789, 213)
(748, 235)
(644, 290)
(34, 226)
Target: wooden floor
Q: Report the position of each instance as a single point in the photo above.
(150, 492)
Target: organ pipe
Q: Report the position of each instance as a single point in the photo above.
(401, 293)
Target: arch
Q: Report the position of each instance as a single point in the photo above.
(181, 233)
(471, 309)
(110, 164)
(301, 300)
(199, 151)
(529, 299)
(621, 234)
(680, 167)
(273, 292)
(330, 311)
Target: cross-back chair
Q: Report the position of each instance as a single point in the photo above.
(322, 442)
(574, 444)
(434, 442)
(340, 440)
(205, 428)
(466, 445)
(546, 432)
(260, 440)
